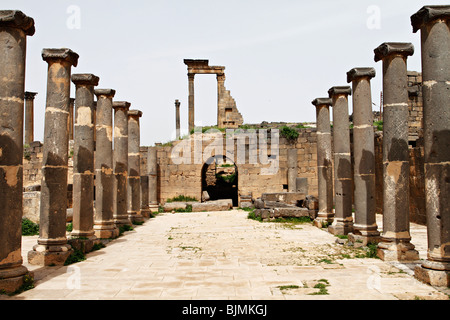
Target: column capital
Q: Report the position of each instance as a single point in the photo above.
(135, 113)
(17, 19)
(428, 14)
(109, 93)
(64, 54)
(177, 103)
(121, 105)
(339, 90)
(389, 48)
(356, 73)
(30, 95)
(322, 102)
(221, 77)
(191, 76)
(85, 79)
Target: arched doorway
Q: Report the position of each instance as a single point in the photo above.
(220, 179)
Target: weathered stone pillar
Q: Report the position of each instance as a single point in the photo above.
(52, 247)
(134, 166)
(220, 105)
(395, 241)
(145, 210)
(104, 226)
(71, 117)
(29, 117)
(14, 29)
(365, 228)
(121, 162)
(177, 119)
(152, 166)
(324, 163)
(292, 158)
(83, 162)
(191, 77)
(343, 178)
(434, 24)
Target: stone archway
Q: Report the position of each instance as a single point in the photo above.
(220, 179)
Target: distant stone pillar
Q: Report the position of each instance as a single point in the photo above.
(52, 247)
(83, 161)
(343, 179)
(152, 166)
(29, 117)
(177, 119)
(71, 117)
(191, 77)
(104, 226)
(395, 241)
(324, 162)
(145, 210)
(365, 228)
(434, 24)
(292, 159)
(14, 29)
(121, 162)
(220, 92)
(134, 166)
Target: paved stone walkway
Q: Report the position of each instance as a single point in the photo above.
(224, 255)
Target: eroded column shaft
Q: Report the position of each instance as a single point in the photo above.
(52, 247)
(134, 164)
(343, 178)
(434, 24)
(191, 110)
(324, 162)
(364, 154)
(104, 226)
(121, 162)
(292, 158)
(177, 119)
(83, 160)
(13, 35)
(395, 241)
(152, 166)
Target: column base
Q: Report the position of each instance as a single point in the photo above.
(106, 231)
(154, 208)
(146, 213)
(363, 239)
(341, 227)
(84, 245)
(11, 279)
(397, 251)
(434, 273)
(122, 221)
(44, 255)
(135, 216)
(323, 220)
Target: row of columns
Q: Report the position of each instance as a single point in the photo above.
(394, 243)
(117, 173)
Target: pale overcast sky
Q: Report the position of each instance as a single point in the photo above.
(279, 55)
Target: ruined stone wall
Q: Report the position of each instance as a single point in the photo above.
(186, 179)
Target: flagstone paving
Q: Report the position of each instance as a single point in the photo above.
(226, 256)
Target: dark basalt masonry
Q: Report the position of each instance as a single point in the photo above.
(401, 171)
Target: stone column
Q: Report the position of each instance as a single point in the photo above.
(14, 29)
(71, 117)
(120, 159)
(29, 117)
(177, 119)
(191, 77)
(134, 166)
(343, 179)
(83, 162)
(220, 91)
(324, 163)
(292, 159)
(104, 226)
(365, 228)
(434, 24)
(395, 241)
(145, 210)
(152, 168)
(52, 247)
